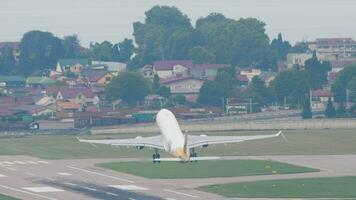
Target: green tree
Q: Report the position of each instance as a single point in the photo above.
(131, 87)
(342, 80)
(300, 47)
(156, 83)
(153, 36)
(258, 92)
(164, 91)
(7, 60)
(71, 46)
(292, 85)
(341, 110)
(330, 110)
(280, 47)
(104, 51)
(201, 55)
(318, 71)
(307, 113)
(211, 93)
(39, 50)
(351, 86)
(126, 50)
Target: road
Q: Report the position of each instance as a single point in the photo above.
(30, 178)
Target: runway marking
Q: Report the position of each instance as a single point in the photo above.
(112, 194)
(2, 175)
(25, 192)
(71, 184)
(132, 198)
(50, 179)
(42, 189)
(170, 199)
(89, 188)
(8, 163)
(180, 193)
(128, 187)
(43, 162)
(32, 162)
(99, 174)
(64, 174)
(20, 162)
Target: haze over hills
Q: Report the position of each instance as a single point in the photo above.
(112, 19)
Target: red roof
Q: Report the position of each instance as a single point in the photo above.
(169, 64)
(68, 93)
(68, 105)
(321, 93)
(176, 79)
(211, 66)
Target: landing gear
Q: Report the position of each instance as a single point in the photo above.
(193, 154)
(155, 156)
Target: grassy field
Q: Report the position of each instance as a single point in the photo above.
(301, 142)
(4, 197)
(336, 187)
(205, 169)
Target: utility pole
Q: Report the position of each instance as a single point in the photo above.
(250, 105)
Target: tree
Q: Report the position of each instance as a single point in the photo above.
(330, 110)
(318, 71)
(39, 50)
(103, 51)
(126, 50)
(307, 113)
(341, 110)
(300, 47)
(71, 46)
(156, 83)
(351, 86)
(164, 91)
(201, 55)
(281, 47)
(211, 93)
(258, 92)
(342, 80)
(291, 85)
(131, 87)
(7, 60)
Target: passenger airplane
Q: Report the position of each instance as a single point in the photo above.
(180, 146)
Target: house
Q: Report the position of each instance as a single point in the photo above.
(207, 71)
(97, 77)
(72, 65)
(167, 69)
(320, 98)
(183, 85)
(298, 59)
(341, 47)
(250, 73)
(34, 110)
(114, 67)
(39, 82)
(79, 95)
(12, 81)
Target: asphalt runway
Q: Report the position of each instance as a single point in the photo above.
(30, 178)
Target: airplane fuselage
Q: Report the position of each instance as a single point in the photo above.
(172, 137)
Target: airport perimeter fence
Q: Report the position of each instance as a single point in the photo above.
(245, 125)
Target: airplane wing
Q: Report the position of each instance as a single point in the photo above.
(154, 142)
(196, 141)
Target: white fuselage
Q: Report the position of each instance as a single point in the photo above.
(172, 136)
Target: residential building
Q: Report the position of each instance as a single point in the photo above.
(207, 71)
(183, 85)
(320, 98)
(298, 59)
(72, 65)
(12, 81)
(250, 73)
(114, 67)
(172, 68)
(97, 77)
(79, 95)
(340, 47)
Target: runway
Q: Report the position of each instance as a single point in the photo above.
(30, 178)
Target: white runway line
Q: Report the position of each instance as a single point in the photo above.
(180, 193)
(2, 175)
(43, 162)
(128, 187)
(100, 174)
(89, 188)
(25, 192)
(42, 189)
(112, 194)
(64, 174)
(20, 162)
(32, 162)
(8, 163)
(71, 184)
(29, 174)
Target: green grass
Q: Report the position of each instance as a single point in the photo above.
(301, 142)
(4, 197)
(335, 187)
(205, 169)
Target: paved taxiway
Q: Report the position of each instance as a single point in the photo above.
(34, 179)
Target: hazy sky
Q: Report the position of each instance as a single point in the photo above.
(98, 20)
